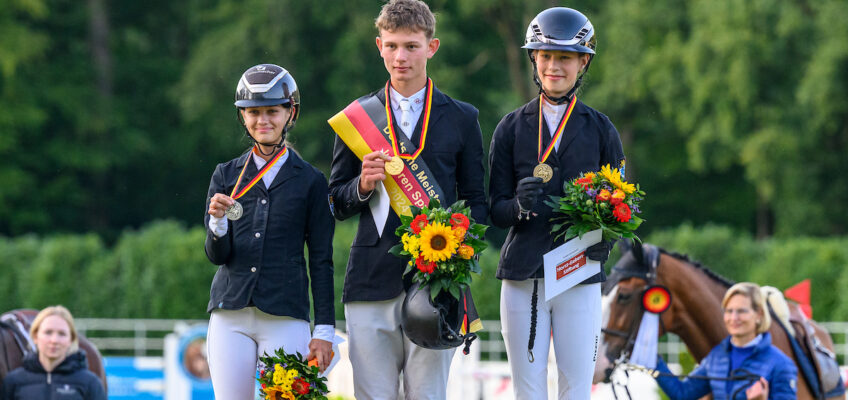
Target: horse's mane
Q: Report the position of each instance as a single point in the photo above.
(710, 273)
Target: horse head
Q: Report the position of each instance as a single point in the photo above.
(630, 277)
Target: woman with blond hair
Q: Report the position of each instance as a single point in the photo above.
(747, 351)
(58, 369)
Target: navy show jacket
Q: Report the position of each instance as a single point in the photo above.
(454, 153)
(589, 141)
(261, 257)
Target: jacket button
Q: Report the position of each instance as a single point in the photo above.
(252, 269)
(264, 201)
(258, 234)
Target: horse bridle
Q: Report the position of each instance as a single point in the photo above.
(650, 259)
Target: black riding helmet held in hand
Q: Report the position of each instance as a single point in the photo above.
(432, 325)
(268, 85)
(563, 29)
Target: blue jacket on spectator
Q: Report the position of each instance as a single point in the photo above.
(70, 380)
(766, 361)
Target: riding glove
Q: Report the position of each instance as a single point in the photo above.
(528, 191)
(599, 251)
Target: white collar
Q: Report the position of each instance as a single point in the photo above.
(416, 100)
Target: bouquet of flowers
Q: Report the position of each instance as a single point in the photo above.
(288, 377)
(598, 200)
(441, 245)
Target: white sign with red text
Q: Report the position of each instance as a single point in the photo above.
(567, 265)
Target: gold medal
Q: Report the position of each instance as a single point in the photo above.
(543, 171)
(394, 166)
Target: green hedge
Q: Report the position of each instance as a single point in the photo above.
(161, 271)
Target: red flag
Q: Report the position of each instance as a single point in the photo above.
(801, 293)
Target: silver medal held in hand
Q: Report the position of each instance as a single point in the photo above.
(234, 211)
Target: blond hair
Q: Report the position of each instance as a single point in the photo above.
(61, 312)
(411, 15)
(758, 304)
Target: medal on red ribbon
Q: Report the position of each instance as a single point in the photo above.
(236, 210)
(428, 103)
(544, 170)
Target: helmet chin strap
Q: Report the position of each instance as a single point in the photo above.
(561, 99)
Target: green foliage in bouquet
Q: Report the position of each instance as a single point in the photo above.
(598, 200)
(442, 246)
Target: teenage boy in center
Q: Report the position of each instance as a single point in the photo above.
(451, 146)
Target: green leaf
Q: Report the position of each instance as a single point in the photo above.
(454, 291)
(396, 250)
(434, 203)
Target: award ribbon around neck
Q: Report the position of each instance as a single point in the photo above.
(542, 157)
(239, 193)
(428, 102)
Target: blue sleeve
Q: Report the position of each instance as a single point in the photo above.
(687, 389)
(783, 381)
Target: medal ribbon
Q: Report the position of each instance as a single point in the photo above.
(236, 193)
(542, 157)
(428, 102)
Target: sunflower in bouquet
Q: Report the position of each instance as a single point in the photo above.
(441, 245)
(289, 377)
(598, 200)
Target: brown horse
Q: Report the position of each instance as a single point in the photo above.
(15, 343)
(695, 314)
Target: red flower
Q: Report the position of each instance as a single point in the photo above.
(458, 219)
(585, 182)
(603, 195)
(426, 267)
(622, 212)
(300, 386)
(418, 223)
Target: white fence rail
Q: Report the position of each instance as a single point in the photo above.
(145, 337)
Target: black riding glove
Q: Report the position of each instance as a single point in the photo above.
(528, 192)
(599, 251)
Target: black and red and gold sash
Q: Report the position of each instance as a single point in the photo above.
(236, 194)
(364, 127)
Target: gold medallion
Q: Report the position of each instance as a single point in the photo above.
(543, 171)
(394, 166)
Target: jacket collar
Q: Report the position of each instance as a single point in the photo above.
(530, 112)
(292, 167)
(765, 343)
(73, 362)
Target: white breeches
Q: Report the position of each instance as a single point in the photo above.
(573, 319)
(235, 340)
(379, 352)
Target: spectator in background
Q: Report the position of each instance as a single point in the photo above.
(748, 350)
(58, 369)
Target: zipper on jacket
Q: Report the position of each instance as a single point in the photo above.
(49, 378)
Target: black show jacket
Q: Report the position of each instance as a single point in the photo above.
(453, 152)
(261, 257)
(589, 141)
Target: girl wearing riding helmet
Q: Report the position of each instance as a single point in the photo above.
(262, 207)
(534, 150)
(58, 369)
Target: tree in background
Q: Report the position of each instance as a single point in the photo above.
(114, 115)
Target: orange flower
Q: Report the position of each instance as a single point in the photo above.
(604, 195)
(424, 266)
(622, 212)
(459, 232)
(459, 220)
(465, 251)
(617, 197)
(418, 223)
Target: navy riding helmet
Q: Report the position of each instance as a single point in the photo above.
(268, 85)
(564, 29)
